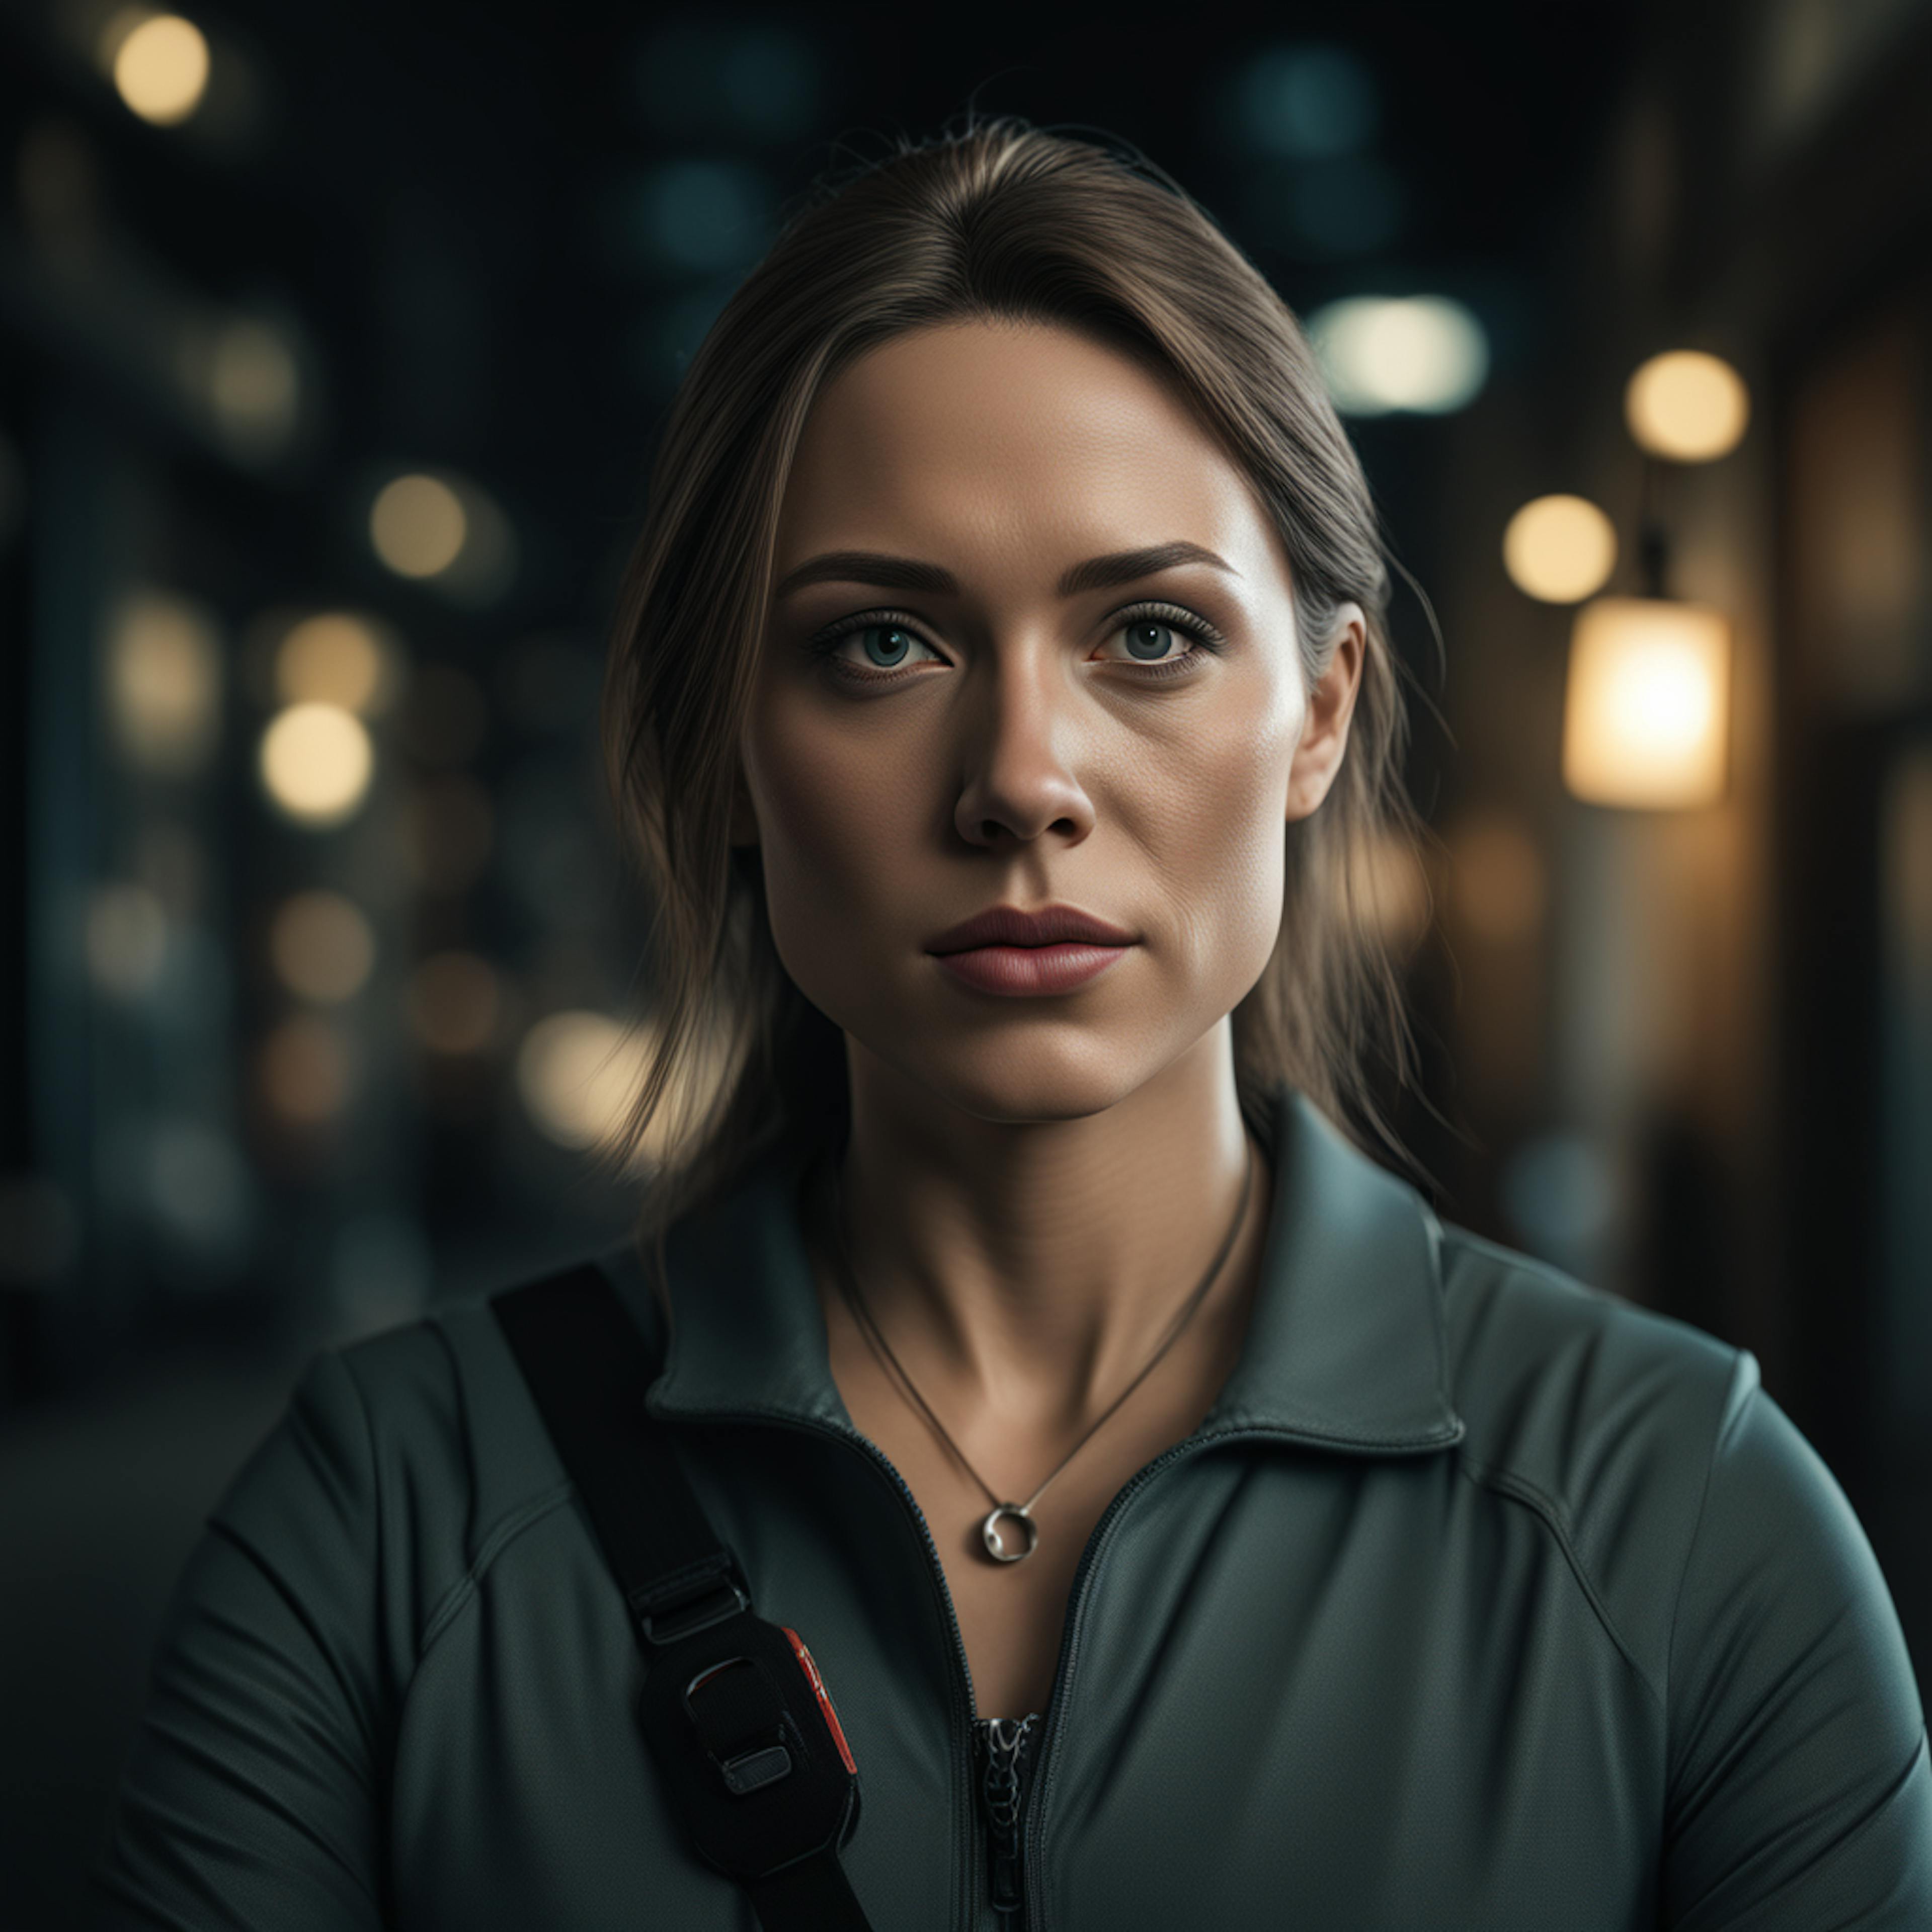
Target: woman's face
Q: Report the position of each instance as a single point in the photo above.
(992, 728)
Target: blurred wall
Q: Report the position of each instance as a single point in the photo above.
(1692, 1048)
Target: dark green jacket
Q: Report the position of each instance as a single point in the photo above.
(1479, 1600)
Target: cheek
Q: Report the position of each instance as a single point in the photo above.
(839, 824)
(1218, 826)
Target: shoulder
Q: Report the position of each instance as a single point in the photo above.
(421, 1450)
(1604, 1419)
(1532, 1353)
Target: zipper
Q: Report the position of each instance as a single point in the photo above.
(1030, 1790)
(1002, 1743)
(1015, 1845)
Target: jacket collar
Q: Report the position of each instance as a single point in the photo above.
(1345, 1348)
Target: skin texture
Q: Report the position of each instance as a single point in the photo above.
(1033, 1187)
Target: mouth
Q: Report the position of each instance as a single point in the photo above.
(1002, 927)
(1023, 972)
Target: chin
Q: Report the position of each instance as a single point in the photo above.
(1014, 1079)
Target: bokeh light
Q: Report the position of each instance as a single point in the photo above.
(322, 946)
(336, 657)
(198, 1184)
(174, 864)
(1644, 722)
(418, 525)
(1560, 549)
(382, 1268)
(1425, 353)
(580, 1072)
(255, 385)
(1306, 101)
(316, 762)
(696, 216)
(1387, 894)
(306, 1071)
(1498, 884)
(160, 65)
(1686, 406)
(577, 1073)
(126, 940)
(164, 682)
(456, 1003)
(445, 531)
(1561, 1196)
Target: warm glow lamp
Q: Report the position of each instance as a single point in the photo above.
(1644, 722)
(160, 65)
(1686, 406)
(1559, 549)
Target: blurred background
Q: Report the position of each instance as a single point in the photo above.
(334, 340)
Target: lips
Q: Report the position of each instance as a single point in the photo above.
(1010, 925)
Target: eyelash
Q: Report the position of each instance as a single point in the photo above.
(1207, 639)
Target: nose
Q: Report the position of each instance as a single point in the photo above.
(1018, 758)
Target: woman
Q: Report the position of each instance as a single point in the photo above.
(1190, 1529)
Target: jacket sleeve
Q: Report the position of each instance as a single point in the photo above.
(252, 1796)
(1800, 1794)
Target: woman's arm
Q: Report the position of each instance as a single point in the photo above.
(1800, 1794)
(254, 1795)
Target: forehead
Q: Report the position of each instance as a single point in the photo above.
(1032, 435)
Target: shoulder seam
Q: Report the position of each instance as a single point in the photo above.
(508, 1529)
(369, 1444)
(1732, 1412)
(1515, 1264)
(1546, 1508)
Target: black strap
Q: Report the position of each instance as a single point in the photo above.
(731, 1715)
(587, 1366)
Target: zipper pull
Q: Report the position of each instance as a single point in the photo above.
(1005, 1743)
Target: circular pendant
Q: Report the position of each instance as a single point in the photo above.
(990, 1530)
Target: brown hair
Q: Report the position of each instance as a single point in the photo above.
(1001, 220)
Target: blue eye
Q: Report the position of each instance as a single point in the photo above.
(1154, 636)
(887, 639)
(887, 642)
(1150, 629)
(891, 652)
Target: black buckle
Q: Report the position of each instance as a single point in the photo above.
(691, 1600)
(738, 1728)
(743, 1724)
(724, 1599)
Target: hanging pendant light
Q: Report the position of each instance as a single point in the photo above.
(1646, 714)
(1649, 694)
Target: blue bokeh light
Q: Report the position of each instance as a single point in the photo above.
(1307, 102)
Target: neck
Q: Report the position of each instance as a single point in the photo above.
(1030, 1268)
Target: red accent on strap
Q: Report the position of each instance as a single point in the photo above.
(824, 1698)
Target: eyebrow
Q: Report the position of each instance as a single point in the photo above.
(906, 573)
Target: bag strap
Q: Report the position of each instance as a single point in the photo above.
(732, 1707)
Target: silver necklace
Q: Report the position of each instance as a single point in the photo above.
(1020, 1514)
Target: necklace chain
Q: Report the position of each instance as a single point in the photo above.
(1021, 1513)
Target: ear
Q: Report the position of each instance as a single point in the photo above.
(1331, 704)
